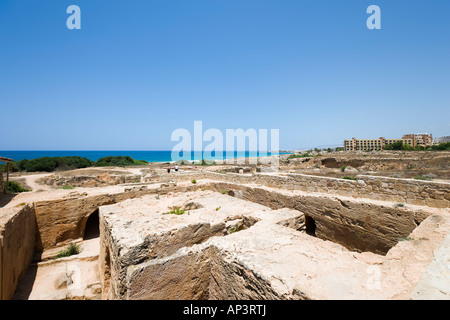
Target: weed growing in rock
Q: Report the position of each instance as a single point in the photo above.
(70, 250)
(176, 211)
(237, 227)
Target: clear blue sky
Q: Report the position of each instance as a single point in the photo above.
(137, 70)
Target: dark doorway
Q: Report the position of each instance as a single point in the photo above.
(310, 226)
(92, 229)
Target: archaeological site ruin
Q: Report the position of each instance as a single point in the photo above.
(232, 231)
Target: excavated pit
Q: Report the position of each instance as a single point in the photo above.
(357, 225)
(193, 245)
(141, 239)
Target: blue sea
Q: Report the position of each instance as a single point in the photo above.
(149, 156)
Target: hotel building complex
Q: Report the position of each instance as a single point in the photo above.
(413, 140)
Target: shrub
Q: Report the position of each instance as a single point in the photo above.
(194, 181)
(441, 147)
(183, 162)
(398, 145)
(66, 187)
(12, 167)
(50, 164)
(399, 205)
(300, 155)
(14, 187)
(119, 161)
(425, 178)
(223, 192)
(208, 162)
(218, 208)
(349, 178)
(70, 250)
(343, 168)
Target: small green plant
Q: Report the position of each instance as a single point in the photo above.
(223, 192)
(218, 208)
(70, 250)
(300, 155)
(404, 239)
(194, 181)
(21, 204)
(236, 228)
(424, 178)
(207, 162)
(176, 211)
(67, 187)
(349, 178)
(399, 205)
(343, 168)
(14, 187)
(203, 189)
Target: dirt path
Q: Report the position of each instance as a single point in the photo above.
(31, 181)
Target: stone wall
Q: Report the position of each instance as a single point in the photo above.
(204, 273)
(65, 219)
(62, 220)
(17, 239)
(358, 226)
(416, 192)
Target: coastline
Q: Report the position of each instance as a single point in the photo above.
(151, 156)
